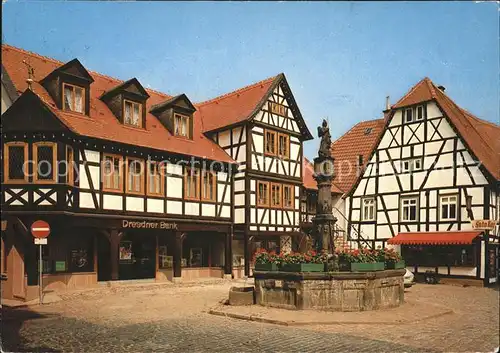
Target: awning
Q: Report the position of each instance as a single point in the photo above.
(434, 238)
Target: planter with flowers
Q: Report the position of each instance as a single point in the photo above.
(311, 261)
(266, 261)
(391, 258)
(359, 260)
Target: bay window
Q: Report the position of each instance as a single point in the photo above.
(15, 158)
(288, 196)
(45, 166)
(275, 195)
(112, 173)
(208, 186)
(192, 184)
(155, 178)
(270, 142)
(262, 193)
(135, 176)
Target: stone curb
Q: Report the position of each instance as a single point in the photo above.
(310, 323)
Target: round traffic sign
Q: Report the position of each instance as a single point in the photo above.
(40, 229)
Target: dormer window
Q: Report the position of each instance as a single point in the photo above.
(181, 125)
(132, 113)
(74, 97)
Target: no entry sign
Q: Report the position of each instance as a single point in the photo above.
(40, 229)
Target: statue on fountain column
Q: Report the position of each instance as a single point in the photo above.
(326, 140)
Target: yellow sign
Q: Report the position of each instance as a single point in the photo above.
(484, 224)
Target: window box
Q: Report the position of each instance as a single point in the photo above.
(303, 267)
(395, 265)
(367, 266)
(266, 267)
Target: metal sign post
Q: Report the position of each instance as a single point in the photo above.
(40, 231)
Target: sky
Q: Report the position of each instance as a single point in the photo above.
(341, 59)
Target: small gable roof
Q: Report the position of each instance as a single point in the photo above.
(172, 101)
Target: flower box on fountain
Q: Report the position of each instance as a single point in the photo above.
(310, 261)
(364, 260)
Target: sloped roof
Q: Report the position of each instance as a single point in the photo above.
(102, 123)
(308, 179)
(359, 140)
(482, 137)
(241, 105)
(234, 107)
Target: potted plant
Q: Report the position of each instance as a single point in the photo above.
(311, 261)
(266, 261)
(391, 259)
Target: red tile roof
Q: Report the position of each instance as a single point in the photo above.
(102, 123)
(308, 179)
(435, 238)
(481, 136)
(234, 107)
(359, 140)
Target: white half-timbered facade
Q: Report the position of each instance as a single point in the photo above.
(429, 158)
(267, 144)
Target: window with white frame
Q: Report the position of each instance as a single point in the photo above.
(419, 112)
(448, 207)
(411, 165)
(409, 209)
(368, 209)
(409, 115)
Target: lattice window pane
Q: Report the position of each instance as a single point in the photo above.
(45, 162)
(16, 162)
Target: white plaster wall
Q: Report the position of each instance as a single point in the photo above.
(174, 207)
(154, 205)
(135, 204)
(112, 202)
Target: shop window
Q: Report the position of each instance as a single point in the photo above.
(132, 113)
(15, 158)
(45, 156)
(432, 256)
(283, 145)
(275, 195)
(75, 254)
(208, 185)
(288, 196)
(409, 208)
(112, 173)
(368, 209)
(279, 109)
(70, 166)
(164, 260)
(181, 125)
(196, 257)
(156, 180)
(81, 252)
(448, 207)
(262, 193)
(74, 98)
(135, 176)
(270, 142)
(192, 184)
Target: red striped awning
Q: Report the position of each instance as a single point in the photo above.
(434, 238)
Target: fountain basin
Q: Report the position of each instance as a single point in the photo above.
(330, 291)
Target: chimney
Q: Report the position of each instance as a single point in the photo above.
(387, 103)
(442, 88)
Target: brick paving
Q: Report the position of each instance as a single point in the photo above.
(175, 318)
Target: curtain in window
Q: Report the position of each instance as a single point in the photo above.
(68, 97)
(116, 176)
(128, 113)
(135, 119)
(79, 100)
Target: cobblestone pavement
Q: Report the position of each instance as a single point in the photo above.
(175, 318)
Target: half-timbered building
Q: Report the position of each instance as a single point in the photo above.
(139, 184)
(261, 127)
(429, 158)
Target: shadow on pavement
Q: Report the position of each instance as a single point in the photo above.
(12, 321)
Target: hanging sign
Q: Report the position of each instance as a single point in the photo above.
(40, 229)
(484, 224)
